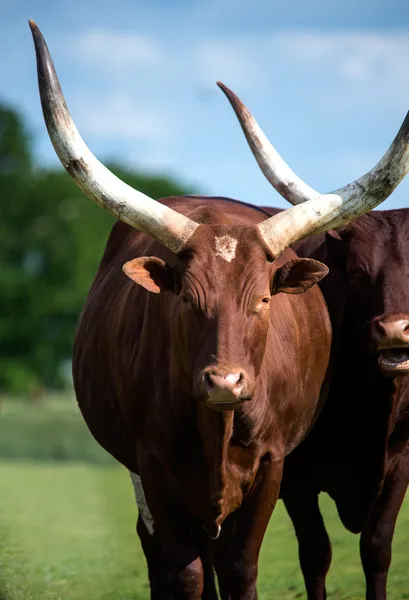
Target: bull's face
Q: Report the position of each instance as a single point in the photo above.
(377, 267)
(225, 280)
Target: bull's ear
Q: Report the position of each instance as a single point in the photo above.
(152, 273)
(298, 275)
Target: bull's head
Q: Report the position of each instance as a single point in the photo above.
(225, 279)
(224, 273)
(372, 253)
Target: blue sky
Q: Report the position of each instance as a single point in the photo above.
(327, 81)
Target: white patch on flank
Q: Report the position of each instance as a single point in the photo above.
(143, 507)
(226, 247)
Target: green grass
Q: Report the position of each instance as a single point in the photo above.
(67, 532)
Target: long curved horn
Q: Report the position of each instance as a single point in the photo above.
(135, 208)
(276, 170)
(315, 212)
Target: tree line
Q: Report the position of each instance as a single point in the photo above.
(51, 241)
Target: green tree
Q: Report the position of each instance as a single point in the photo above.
(51, 241)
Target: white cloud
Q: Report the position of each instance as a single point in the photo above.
(231, 60)
(373, 62)
(118, 50)
(357, 56)
(349, 54)
(338, 65)
(356, 69)
(120, 116)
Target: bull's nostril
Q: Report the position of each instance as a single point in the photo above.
(208, 382)
(379, 329)
(240, 380)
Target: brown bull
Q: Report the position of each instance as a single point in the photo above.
(358, 451)
(363, 432)
(200, 368)
(167, 367)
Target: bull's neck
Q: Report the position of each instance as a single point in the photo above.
(231, 464)
(216, 428)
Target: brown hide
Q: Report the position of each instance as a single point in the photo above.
(364, 427)
(138, 354)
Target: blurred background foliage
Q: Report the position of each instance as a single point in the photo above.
(51, 241)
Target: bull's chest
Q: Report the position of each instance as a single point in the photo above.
(206, 466)
(212, 487)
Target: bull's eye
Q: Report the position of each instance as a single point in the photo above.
(187, 302)
(190, 305)
(266, 300)
(358, 274)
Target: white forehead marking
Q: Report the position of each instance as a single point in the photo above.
(226, 247)
(143, 507)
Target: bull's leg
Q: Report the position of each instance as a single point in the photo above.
(209, 584)
(155, 561)
(158, 571)
(150, 543)
(376, 537)
(237, 570)
(221, 554)
(314, 546)
(171, 526)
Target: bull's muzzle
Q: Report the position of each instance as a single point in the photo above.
(390, 338)
(225, 388)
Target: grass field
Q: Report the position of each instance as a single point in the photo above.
(67, 532)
